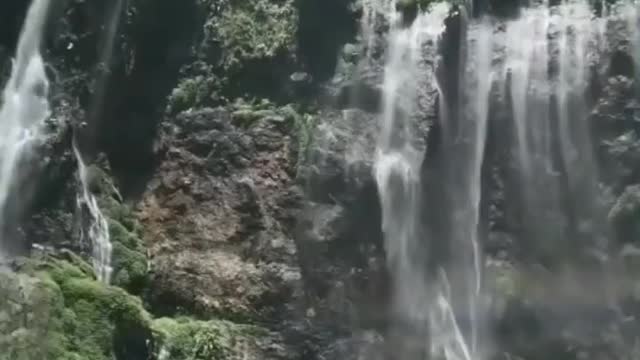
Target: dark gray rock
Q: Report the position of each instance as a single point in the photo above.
(220, 241)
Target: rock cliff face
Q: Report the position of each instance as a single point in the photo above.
(219, 215)
(231, 146)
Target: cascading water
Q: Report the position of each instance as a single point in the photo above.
(538, 67)
(528, 86)
(631, 10)
(97, 231)
(418, 305)
(546, 78)
(457, 311)
(574, 22)
(25, 107)
(468, 147)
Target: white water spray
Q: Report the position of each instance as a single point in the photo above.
(546, 70)
(25, 106)
(631, 9)
(457, 309)
(98, 230)
(419, 305)
(466, 231)
(543, 63)
(526, 64)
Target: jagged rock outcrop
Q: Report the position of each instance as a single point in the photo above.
(220, 246)
(218, 217)
(252, 228)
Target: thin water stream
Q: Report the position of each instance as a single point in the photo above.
(97, 232)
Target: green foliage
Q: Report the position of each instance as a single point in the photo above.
(191, 92)
(188, 339)
(246, 114)
(238, 38)
(129, 259)
(120, 213)
(304, 125)
(253, 30)
(59, 312)
(26, 319)
(52, 309)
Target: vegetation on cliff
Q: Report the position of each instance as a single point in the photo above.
(53, 308)
(59, 311)
(215, 95)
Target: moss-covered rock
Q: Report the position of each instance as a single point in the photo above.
(254, 30)
(244, 47)
(52, 309)
(198, 89)
(129, 259)
(28, 317)
(188, 339)
(298, 122)
(129, 256)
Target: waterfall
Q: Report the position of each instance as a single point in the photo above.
(465, 229)
(577, 35)
(631, 10)
(537, 67)
(24, 109)
(457, 312)
(98, 227)
(526, 64)
(546, 75)
(419, 307)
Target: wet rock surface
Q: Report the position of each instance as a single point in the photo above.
(236, 215)
(219, 240)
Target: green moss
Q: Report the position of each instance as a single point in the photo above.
(187, 339)
(130, 269)
(245, 114)
(61, 271)
(28, 317)
(253, 30)
(56, 311)
(129, 260)
(53, 309)
(192, 92)
(243, 45)
(304, 125)
(92, 313)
